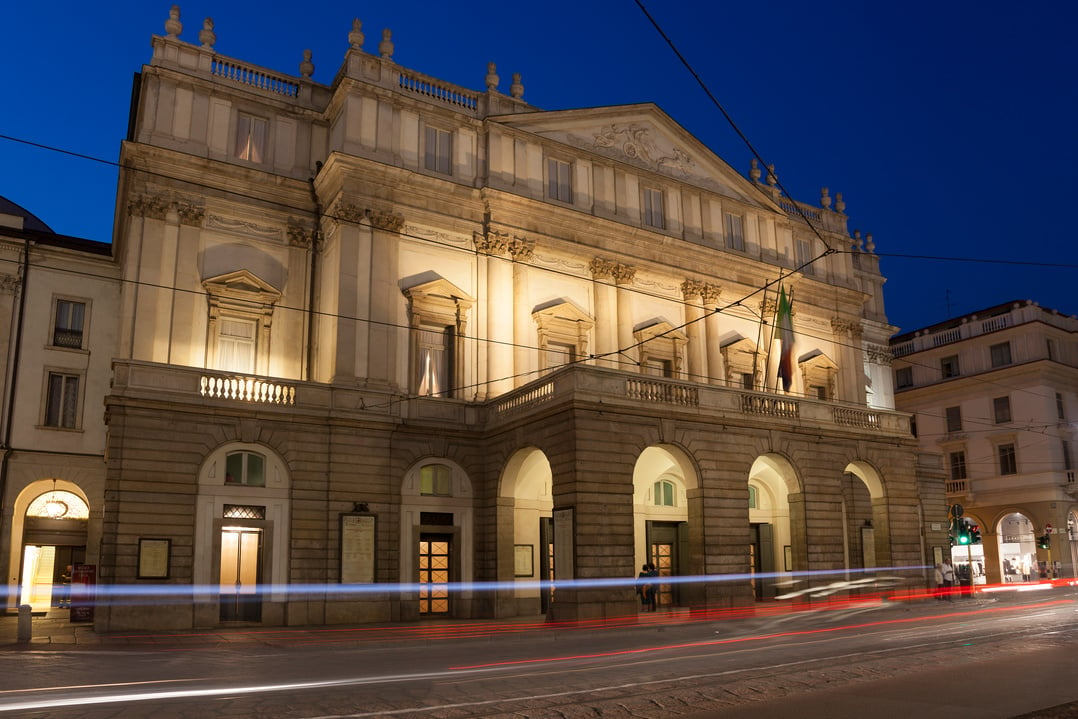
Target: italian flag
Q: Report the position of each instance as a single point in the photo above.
(784, 331)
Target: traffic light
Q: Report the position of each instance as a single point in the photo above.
(1044, 541)
(960, 533)
(974, 534)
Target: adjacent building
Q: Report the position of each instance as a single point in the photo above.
(392, 348)
(993, 393)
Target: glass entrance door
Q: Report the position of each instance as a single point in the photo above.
(241, 573)
(434, 573)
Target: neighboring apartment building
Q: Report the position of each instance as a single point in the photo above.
(994, 393)
(389, 334)
(59, 301)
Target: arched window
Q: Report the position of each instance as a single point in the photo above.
(58, 504)
(247, 468)
(664, 493)
(436, 480)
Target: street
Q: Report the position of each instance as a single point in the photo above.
(999, 655)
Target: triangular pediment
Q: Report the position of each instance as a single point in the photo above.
(438, 288)
(563, 309)
(659, 327)
(242, 284)
(643, 136)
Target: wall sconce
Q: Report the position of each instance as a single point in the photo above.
(360, 507)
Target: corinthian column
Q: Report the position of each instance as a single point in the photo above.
(499, 309)
(606, 312)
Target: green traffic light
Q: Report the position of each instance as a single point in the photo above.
(963, 539)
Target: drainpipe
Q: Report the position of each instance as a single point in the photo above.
(15, 354)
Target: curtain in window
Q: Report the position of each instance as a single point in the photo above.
(61, 407)
(236, 345)
(433, 361)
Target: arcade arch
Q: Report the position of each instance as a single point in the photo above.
(664, 481)
(526, 482)
(50, 518)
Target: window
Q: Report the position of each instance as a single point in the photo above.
(746, 380)
(804, 255)
(957, 460)
(664, 493)
(913, 425)
(817, 391)
(62, 400)
(1067, 456)
(557, 183)
(246, 468)
(735, 233)
(949, 366)
(1001, 354)
(436, 480)
(559, 355)
(658, 368)
(434, 347)
(653, 208)
(436, 154)
(563, 330)
(236, 345)
(241, 309)
(1001, 406)
(1007, 462)
(904, 377)
(1059, 406)
(251, 138)
(438, 312)
(68, 324)
(954, 419)
(752, 497)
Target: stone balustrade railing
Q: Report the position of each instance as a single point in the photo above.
(433, 89)
(254, 77)
(247, 389)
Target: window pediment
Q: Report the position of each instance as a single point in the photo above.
(242, 286)
(439, 293)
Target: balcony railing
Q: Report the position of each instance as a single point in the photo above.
(659, 391)
(254, 77)
(956, 486)
(247, 389)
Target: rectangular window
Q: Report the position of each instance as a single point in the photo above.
(817, 391)
(954, 419)
(735, 234)
(558, 187)
(659, 368)
(236, 343)
(251, 137)
(1001, 406)
(1059, 406)
(957, 461)
(1051, 349)
(67, 328)
(804, 255)
(436, 480)
(1067, 456)
(949, 366)
(1007, 462)
(437, 154)
(435, 360)
(653, 208)
(559, 355)
(62, 401)
(904, 377)
(1001, 354)
(746, 380)
(247, 468)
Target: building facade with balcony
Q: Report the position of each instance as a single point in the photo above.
(993, 393)
(391, 348)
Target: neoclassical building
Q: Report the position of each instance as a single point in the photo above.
(391, 348)
(994, 393)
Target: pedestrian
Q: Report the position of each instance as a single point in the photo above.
(653, 592)
(643, 587)
(947, 577)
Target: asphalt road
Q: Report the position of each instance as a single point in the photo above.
(999, 656)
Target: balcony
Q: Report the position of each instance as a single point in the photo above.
(576, 386)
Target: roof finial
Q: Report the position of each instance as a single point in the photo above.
(517, 88)
(306, 68)
(356, 38)
(207, 36)
(385, 48)
(825, 198)
(492, 78)
(173, 26)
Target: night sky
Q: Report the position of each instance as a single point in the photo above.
(949, 127)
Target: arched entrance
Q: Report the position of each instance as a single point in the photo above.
(663, 480)
(866, 542)
(526, 481)
(771, 550)
(1017, 548)
(54, 516)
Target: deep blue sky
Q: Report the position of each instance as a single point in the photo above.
(951, 128)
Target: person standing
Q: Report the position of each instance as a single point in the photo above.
(653, 593)
(946, 572)
(643, 587)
